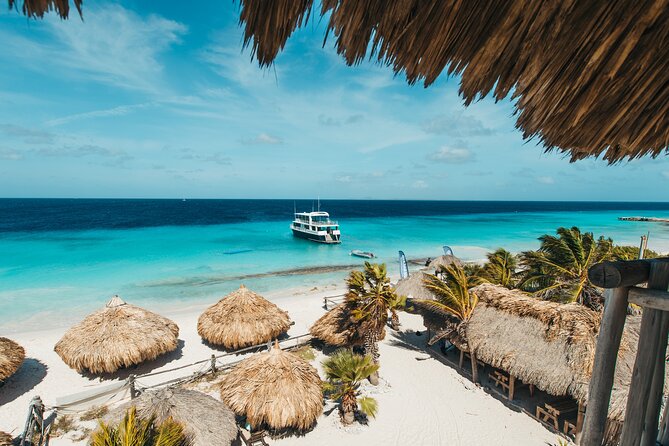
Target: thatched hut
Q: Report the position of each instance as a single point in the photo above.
(6, 439)
(276, 390)
(11, 358)
(442, 262)
(414, 287)
(547, 344)
(338, 328)
(119, 335)
(206, 420)
(242, 319)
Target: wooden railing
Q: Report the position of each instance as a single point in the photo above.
(332, 301)
(642, 414)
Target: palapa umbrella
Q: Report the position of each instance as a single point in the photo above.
(443, 261)
(276, 390)
(119, 335)
(11, 358)
(241, 319)
(414, 287)
(5, 438)
(338, 328)
(206, 420)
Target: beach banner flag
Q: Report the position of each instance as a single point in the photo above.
(447, 250)
(404, 268)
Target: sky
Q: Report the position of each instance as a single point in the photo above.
(158, 99)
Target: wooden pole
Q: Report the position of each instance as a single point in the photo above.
(650, 334)
(654, 403)
(606, 355)
(619, 274)
(579, 422)
(462, 359)
(133, 391)
(512, 386)
(475, 372)
(663, 435)
(213, 364)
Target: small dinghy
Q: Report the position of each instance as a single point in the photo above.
(363, 254)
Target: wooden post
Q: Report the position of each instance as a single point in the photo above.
(512, 386)
(133, 390)
(579, 422)
(650, 334)
(654, 403)
(475, 372)
(325, 301)
(213, 364)
(642, 247)
(462, 359)
(663, 435)
(606, 354)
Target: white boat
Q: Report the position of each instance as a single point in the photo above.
(316, 226)
(363, 254)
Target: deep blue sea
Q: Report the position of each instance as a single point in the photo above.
(62, 258)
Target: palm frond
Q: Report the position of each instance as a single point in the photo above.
(369, 406)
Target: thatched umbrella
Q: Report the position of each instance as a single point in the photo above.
(414, 287)
(241, 319)
(274, 389)
(119, 335)
(11, 358)
(443, 261)
(6, 439)
(206, 420)
(338, 328)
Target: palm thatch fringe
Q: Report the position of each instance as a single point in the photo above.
(5, 439)
(241, 319)
(119, 335)
(11, 358)
(443, 261)
(338, 328)
(276, 389)
(37, 8)
(414, 287)
(206, 420)
(589, 78)
(544, 343)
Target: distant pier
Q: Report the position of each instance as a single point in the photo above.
(653, 219)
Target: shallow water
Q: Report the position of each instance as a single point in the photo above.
(59, 264)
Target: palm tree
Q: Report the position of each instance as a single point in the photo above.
(345, 371)
(398, 304)
(133, 431)
(621, 252)
(369, 299)
(559, 269)
(500, 268)
(452, 292)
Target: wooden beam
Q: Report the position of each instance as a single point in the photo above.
(663, 435)
(512, 386)
(649, 298)
(475, 372)
(619, 274)
(650, 343)
(462, 359)
(654, 403)
(606, 355)
(579, 422)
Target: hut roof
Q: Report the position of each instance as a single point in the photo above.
(119, 335)
(338, 329)
(11, 358)
(241, 319)
(206, 420)
(414, 287)
(443, 261)
(510, 330)
(276, 389)
(37, 8)
(6, 439)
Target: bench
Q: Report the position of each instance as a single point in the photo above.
(253, 438)
(508, 383)
(552, 410)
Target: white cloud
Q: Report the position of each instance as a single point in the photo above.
(546, 180)
(419, 184)
(263, 138)
(451, 155)
(10, 154)
(115, 111)
(457, 124)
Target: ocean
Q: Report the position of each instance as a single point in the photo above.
(62, 258)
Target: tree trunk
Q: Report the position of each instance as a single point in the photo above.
(394, 320)
(372, 349)
(347, 408)
(348, 417)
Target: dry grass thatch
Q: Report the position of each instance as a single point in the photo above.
(338, 329)
(444, 261)
(11, 358)
(5, 439)
(241, 319)
(37, 8)
(276, 390)
(589, 77)
(119, 335)
(414, 287)
(544, 343)
(206, 420)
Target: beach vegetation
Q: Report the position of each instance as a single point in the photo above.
(64, 424)
(500, 269)
(558, 271)
(94, 413)
(621, 252)
(306, 352)
(452, 292)
(136, 431)
(369, 300)
(397, 305)
(345, 371)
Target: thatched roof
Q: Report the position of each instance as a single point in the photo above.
(241, 319)
(338, 329)
(444, 261)
(5, 439)
(119, 335)
(206, 420)
(414, 287)
(276, 389)
(11, 358)
(544, 343)
(590, 78)
(37, 8)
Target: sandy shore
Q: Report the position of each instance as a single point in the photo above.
(421, 400)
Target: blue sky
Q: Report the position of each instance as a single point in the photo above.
(157, 99)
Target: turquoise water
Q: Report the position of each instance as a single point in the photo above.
(50, 278)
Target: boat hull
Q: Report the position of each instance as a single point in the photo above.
(315, 237)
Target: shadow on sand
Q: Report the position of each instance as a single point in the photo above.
(31, 373)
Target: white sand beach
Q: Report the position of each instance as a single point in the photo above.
(421, 400)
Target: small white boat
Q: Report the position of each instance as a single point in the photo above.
(363, 254)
